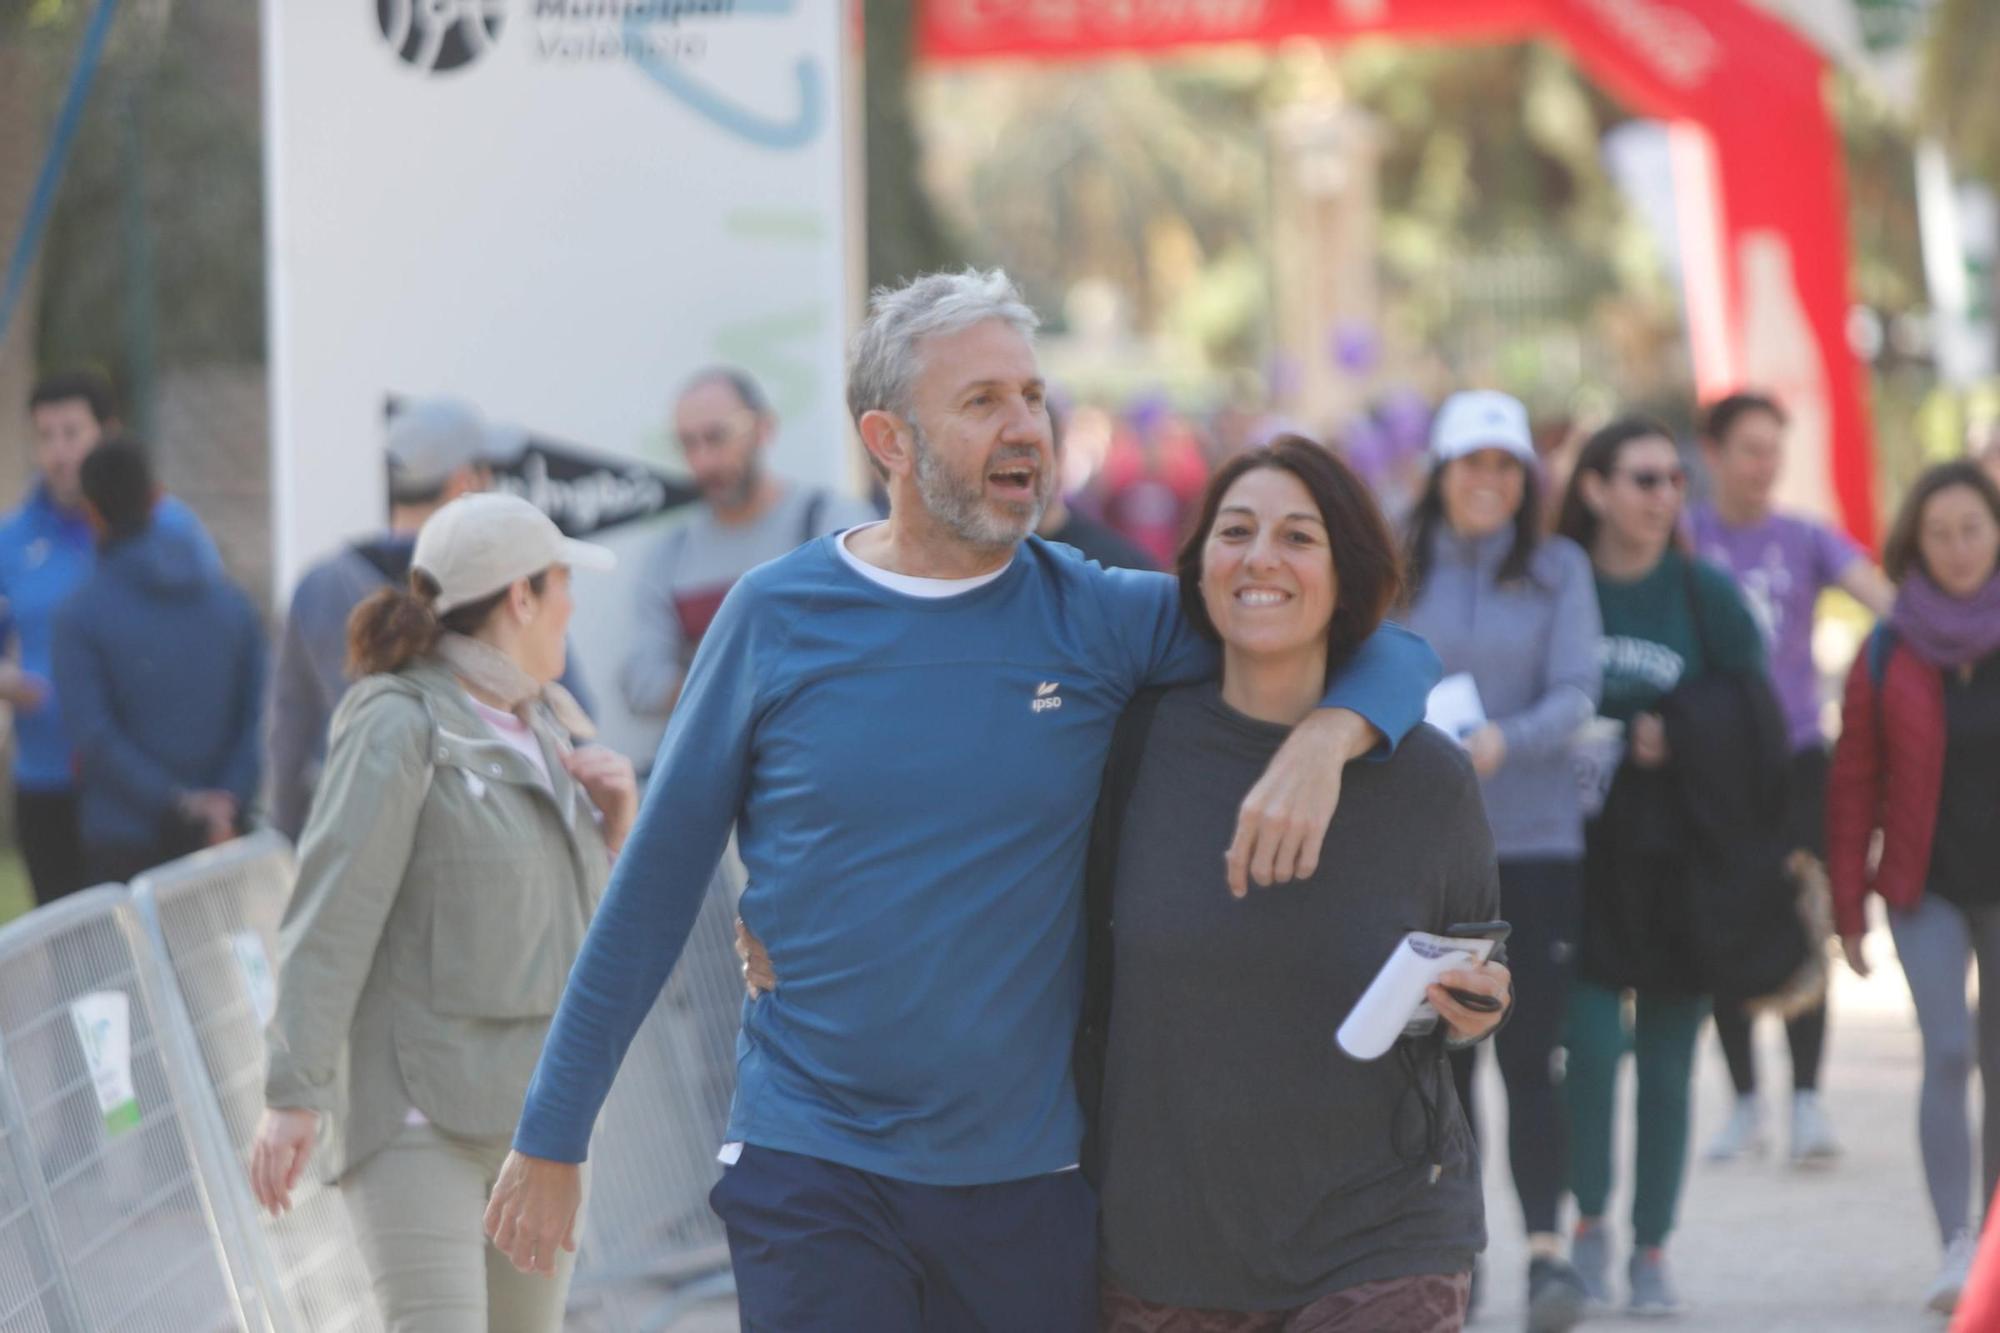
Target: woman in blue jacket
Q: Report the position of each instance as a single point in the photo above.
(1516, 613)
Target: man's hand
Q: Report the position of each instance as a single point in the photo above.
(608, 780)
(278, 1155)
(533, 1211)
(1487, 748)
(22, 690)
(1467, 1024)
(757, 974)
(1282, 823)
(214, 810)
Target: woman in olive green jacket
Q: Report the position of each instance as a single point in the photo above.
(456, 850)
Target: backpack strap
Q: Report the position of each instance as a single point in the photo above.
(1882, 642)
(1692, 584)
(1128, 748)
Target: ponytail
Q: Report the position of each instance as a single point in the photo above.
(392, 627)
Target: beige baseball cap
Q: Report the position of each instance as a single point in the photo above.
(479, 544)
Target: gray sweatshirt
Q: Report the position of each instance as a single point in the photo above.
(1531, 647)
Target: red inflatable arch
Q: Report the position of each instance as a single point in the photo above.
(1757, 165)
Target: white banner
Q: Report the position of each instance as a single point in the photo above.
(555, 210)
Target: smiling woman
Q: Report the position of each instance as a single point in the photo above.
(1212, 1017)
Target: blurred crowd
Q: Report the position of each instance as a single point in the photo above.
(1577, 584)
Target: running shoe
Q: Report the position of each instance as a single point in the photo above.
(1556, 1296)
(1743, 1134)
(1590, 1259)
(1942, 1294)
(1653, 1294)
(1813, 1143)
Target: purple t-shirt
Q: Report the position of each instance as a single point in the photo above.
(1782, 565)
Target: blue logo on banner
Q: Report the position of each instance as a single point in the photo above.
(745, 124)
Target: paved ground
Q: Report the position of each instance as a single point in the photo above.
(1764, 1248)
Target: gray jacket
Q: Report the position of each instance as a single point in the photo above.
(443, 893)
(1531, 647)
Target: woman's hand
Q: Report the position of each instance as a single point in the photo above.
(1648, 738)
(757, 974)
(1466, 1024)
(1857, 954)
(278, 1155)
(533, 1211)
(1487, 748)
(608, 779)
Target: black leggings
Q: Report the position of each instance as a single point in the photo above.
(1807, 1032)
(1543, 900)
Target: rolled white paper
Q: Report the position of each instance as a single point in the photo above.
(1395, 998)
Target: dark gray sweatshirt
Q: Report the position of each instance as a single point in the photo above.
(1247, 1163)
(1532, 648)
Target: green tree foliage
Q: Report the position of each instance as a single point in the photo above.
(905, 236)
(1961, 64)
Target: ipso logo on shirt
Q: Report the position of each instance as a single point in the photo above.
(438, 36)
(1046, 697)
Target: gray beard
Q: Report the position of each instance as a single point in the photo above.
(961, 506)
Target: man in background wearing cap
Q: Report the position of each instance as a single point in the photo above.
(162, 663)
(437, 450)
(724, 424)
(46, 552)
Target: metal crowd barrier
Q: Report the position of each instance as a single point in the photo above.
(214, 917)
(110, 1218)
(650, 1247)
(131, 1082)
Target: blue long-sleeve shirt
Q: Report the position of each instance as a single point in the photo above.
(46, 553)
(912, 783)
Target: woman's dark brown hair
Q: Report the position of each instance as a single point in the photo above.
(395, 626)
(1904, 552)
(1365, 567)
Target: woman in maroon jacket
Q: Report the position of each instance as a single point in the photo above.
(1919, 761)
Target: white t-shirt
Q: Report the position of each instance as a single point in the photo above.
(909, 584)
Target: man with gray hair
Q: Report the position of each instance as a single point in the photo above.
(436, 450)
(724, 424)
(907, 723)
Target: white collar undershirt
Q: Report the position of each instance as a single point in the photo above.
(910, 584)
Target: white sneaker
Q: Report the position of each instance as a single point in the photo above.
(1744, 1132)
(1813, 1143)
(1942, 1294)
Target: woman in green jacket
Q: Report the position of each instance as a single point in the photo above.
(455, 853)
(1668, 620)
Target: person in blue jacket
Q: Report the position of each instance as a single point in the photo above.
(906, 723)
(47, 550)
(162, 664)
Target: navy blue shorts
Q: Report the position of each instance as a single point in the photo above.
(824, 1248)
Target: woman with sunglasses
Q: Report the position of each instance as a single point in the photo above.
(1517, 613)
(1668, 620)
